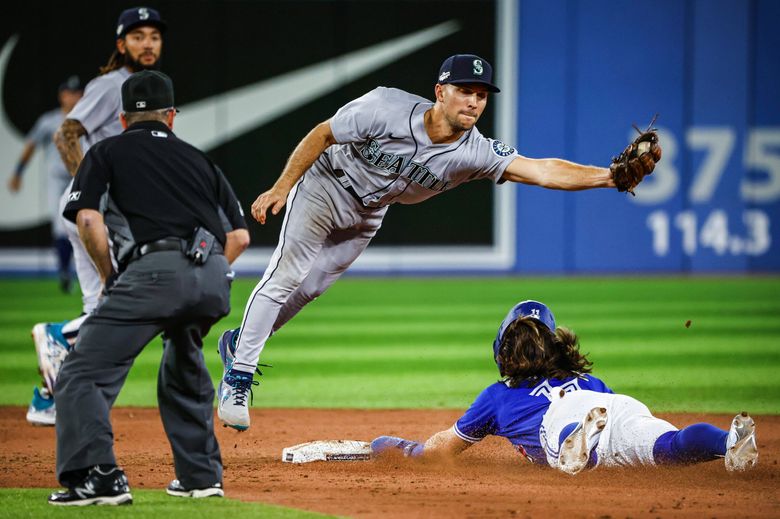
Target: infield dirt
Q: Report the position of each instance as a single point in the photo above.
(489, 480)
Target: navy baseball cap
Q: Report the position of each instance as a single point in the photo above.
(530, 308)
(147, 90)
(73, 84)
(467, 68)
(137, 17)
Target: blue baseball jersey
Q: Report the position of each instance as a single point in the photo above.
(516, 413)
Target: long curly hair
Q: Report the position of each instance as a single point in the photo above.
(530, 352)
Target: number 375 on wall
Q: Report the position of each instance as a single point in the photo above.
(759, 184)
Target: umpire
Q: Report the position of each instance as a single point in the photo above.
(175, 226)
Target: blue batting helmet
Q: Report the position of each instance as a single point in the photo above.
(530, 308)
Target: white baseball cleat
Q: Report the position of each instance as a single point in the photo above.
(234, 390)
(52, 349)
(576, 448)
(741, 448)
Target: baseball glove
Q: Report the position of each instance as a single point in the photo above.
(637, 160)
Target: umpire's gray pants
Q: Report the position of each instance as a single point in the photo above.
(160, 292)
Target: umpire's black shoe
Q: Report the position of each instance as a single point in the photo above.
(100, 487)
(177, 489)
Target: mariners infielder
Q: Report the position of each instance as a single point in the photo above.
(386, 147)
(94, 118)
(557, 414)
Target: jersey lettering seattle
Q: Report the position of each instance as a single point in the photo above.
(401, 166)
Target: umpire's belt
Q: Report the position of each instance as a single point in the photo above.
(160, 245)
(166, 244)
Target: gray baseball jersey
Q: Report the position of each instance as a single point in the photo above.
(42, 135)
(384, 156)
(98, 110)
(387, 157)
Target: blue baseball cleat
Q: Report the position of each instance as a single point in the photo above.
(227, 347)
(389, 443)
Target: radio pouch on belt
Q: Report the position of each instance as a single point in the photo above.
(200, 246)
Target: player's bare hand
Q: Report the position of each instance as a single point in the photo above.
(273, 199)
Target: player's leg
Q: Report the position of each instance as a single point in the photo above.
(705, 442)
(572, 428)
(339, 252)
(62, 246)
(307, 223)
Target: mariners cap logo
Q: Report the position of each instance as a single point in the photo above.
(143, 13)
(478, 70)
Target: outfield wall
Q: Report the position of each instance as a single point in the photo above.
(574, 75)
(711, 69)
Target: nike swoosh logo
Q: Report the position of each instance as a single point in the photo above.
(211, 122)
(215, 120)
(395, 138)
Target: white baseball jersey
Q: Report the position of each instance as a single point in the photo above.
(386, 156)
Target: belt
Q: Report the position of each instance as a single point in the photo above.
(344, 182)
(163, 244)
(166, 244)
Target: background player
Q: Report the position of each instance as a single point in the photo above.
(42, 134)
(94, 118)
(555, 413)
(386, 147)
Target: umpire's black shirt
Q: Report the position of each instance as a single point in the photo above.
(162, 186)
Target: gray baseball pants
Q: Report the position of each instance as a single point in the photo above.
(324, 231)
(160, 292)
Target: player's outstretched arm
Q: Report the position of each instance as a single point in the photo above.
(303, 156)
(557, 174)
(67, 141)
(443, 444)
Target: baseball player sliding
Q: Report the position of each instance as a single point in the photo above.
(383, 148)
(555, 413)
